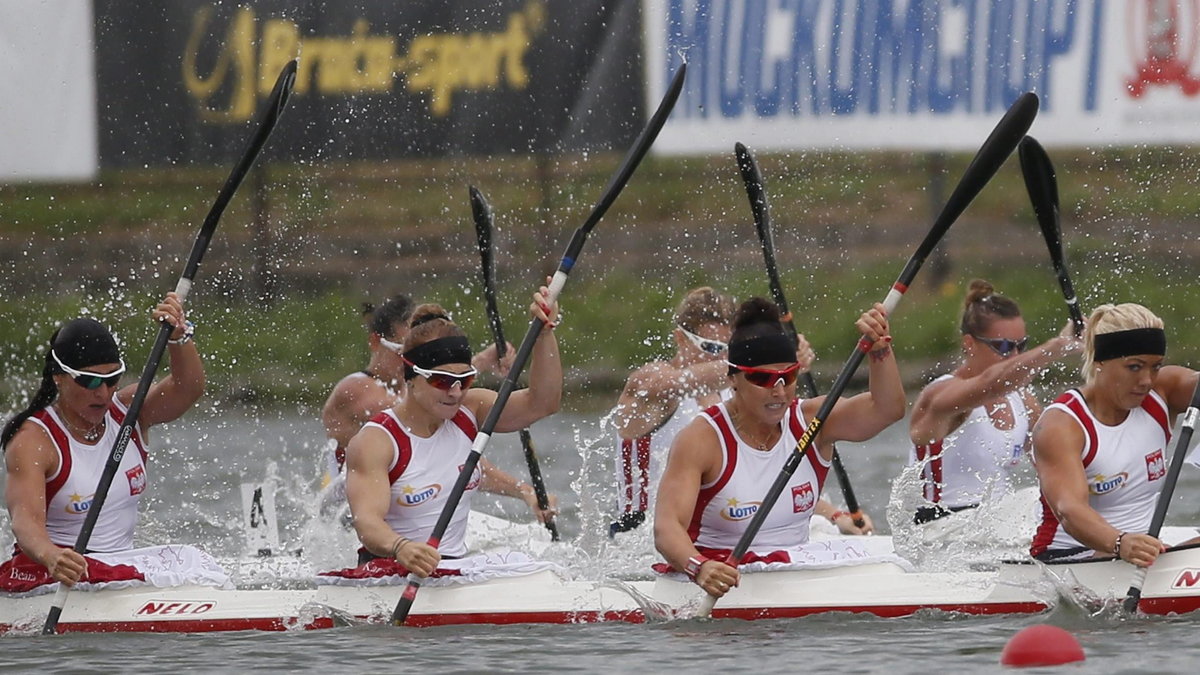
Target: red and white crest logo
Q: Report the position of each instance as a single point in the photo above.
(803, 498)
(476, 477)
(137, 480)
(1156, 466)
(1163, 36)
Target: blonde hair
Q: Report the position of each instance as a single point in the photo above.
(1110, 319)
(702, 306)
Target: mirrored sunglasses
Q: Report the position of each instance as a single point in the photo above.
(443, 380)
(1004, 346)
(89, 380)
(767, 378)
(704, 344)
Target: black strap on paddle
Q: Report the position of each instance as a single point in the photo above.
(757, 192)
(998, 146)
(617, 183)
(267, 121)
(1188, 426)
(482, 212)
(1042, 186)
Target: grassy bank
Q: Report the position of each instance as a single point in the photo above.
(293, 352)
(277, 298)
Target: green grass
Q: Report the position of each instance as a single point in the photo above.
(845, 223)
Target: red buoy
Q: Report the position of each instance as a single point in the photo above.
(1041, 645)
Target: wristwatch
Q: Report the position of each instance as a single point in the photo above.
(693, 565)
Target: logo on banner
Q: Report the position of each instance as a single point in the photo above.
(412, 496)
(735, 510)
(137, 480)
(803, 498)
(1156, 466)
(1162, 37)
(1102, 485)
(225, 74)
(78, 505)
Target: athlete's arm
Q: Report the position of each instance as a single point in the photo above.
(368, 458)
(1058, 444)
(653, 392)
(173, 395)
(30, 460)
(694, 459)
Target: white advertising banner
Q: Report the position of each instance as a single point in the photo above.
(923, 74)
(47, 84)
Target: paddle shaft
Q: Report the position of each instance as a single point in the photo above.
(998, 146)
(759, 206)
(482, 212)
(1188, 426)
(637, 151)
(267, 122)
(1042, 185)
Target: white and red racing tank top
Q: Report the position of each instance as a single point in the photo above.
(422, 474)
(1124, 465)
(974, 462)
(724, 507)
(71, 489)
(642, 460)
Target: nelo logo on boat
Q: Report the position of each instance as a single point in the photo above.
(803, 498)
(736, 510)
(1187, 578)
(1156, 466)
(1102, 485)
(411, 496)
(167, 608)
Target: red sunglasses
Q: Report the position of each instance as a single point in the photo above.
(441, 379)
(767, 378)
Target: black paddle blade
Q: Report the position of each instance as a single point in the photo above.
(268, 118)
(991, 156)
(634, 157)
(1042, 186)
(481, 211)
(757, 193)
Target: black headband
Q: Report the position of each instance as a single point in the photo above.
(82, 343)
(453, 349)
(1130, 343)
(762, 349)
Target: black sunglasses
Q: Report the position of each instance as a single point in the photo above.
(89, 380)
(1004, 346)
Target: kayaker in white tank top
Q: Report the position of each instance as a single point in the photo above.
(762, 371)
(969, 428)
(1100, 451)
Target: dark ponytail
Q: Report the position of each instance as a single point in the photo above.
(46, 393)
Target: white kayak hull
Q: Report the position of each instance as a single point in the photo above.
(882, 589)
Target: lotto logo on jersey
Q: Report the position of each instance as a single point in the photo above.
(476, 477)
(736, 510)
(78, 505)
(137, 480)
(803, 498)
(1156, 466)
(1102, 485)
(413, 496)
